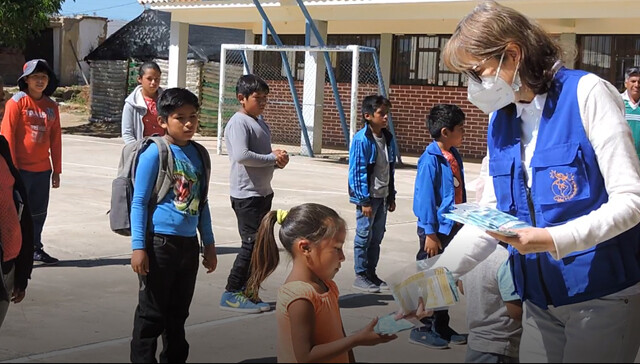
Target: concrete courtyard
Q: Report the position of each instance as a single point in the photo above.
(82, 309)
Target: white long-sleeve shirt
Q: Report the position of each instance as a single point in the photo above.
(602, 113)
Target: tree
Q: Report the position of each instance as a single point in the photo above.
(21, 20)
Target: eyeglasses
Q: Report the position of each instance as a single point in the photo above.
(472, 72)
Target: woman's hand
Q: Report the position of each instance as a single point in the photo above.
(529, 240)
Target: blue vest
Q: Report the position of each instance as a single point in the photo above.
(566, 184)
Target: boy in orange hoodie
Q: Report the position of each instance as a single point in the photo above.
(31, 125)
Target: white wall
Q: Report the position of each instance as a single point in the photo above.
(91, 32)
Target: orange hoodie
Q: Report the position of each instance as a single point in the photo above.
(32, 128)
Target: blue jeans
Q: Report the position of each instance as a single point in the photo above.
(38, 185)
(369, 234)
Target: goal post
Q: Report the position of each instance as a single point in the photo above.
(321, 122)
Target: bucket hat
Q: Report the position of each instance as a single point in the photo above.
(30, 67)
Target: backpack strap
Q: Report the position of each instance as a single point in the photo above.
(206, 162)
(164, 181)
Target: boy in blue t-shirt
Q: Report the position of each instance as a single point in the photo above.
(164, 239)
(439, 185)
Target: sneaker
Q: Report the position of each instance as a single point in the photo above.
(40, 255)
(238, 302)
(364, 284)
(379, 282)
(453, 337)
(427, 338)
(264, 307)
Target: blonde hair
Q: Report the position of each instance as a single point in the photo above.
(486, 32)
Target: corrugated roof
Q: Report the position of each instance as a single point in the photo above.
(147, 37)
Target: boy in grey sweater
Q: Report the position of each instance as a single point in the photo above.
(248, 141)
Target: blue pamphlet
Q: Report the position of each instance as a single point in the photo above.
(486, 218)
(388, 325)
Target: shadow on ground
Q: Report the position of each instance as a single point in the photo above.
(357, 300)
(100, 130)
(87, 263)
(268, 359)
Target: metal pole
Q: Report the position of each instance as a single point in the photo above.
(332, 77)
(221, 86)
(245, 63)
(265, 32)
(354, 94)
(383, 91)
(292, 86)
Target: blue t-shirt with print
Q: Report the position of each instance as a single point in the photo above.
(179, 212)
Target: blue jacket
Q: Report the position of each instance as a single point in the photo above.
(362, 160)
(566, 184)
(434, 192)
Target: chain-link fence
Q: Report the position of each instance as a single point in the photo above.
(281, 113)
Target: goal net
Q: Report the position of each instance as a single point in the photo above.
(306, 112)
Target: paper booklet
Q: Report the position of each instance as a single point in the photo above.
(436, 286)
(486, 218)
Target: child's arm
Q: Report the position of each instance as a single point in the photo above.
(56, 150)
(358, 181)
(146, 174)
(12, 115)
(352, 357)
(209, 257)
(424, 200)
(236, 135)
(302, 316)
(514, 308)
(128, 134)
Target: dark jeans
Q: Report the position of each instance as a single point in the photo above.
(440, 319)
(249, 212)
(164, 299)
(37, 185)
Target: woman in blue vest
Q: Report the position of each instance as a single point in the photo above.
(561, 158)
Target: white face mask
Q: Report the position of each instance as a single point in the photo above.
(493, 93)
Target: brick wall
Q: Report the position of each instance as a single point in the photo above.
(410, 107)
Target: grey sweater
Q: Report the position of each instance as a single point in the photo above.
(252, 163)
(132, 113)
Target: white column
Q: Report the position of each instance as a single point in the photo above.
(386, 54)
(249, 38)
(178, 44)
(568, 44)
(313, 91)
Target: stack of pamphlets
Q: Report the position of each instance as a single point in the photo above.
(486, 218)
(436, 286)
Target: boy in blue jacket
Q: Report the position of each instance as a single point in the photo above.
(439, 185)
(371, 189)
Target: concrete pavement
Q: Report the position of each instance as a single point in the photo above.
(82, 309)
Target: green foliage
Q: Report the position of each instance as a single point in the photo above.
(21, 20)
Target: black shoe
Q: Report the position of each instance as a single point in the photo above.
(378, 282)
(40, 255)
(452, 336)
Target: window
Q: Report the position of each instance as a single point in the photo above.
(416, 61)
(608, 56)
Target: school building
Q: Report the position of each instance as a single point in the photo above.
(600, 36)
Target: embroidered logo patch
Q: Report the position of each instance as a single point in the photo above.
(564, 186)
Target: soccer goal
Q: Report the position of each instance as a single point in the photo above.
(308, 110)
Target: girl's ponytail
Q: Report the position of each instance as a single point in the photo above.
(265, 256)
